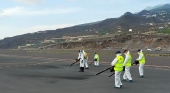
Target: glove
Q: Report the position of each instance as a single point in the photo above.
(77, 59)
(111, 70)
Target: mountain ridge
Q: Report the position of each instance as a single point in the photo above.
(137, 22)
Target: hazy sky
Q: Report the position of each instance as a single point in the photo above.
(27, 16)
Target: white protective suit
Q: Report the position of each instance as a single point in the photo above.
(81, 57)
(118, 82)
(141, 66)
(127, 74)
(85, 60)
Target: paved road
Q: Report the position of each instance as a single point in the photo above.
(44, 74)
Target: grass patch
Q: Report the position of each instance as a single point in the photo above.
(164, 31)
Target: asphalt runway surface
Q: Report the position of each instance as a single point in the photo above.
(22, 72)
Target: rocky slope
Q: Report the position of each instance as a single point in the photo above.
(126, 41)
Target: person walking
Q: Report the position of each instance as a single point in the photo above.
(117, 63)
(85, 59)
(96, 59)
(127, 63)
(81, 58)
(141, 60)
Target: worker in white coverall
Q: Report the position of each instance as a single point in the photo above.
(81, 57)
(118, 68)
(85, 59)
(96, 59)
(127, 63)
(141, 60)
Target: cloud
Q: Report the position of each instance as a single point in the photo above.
(11, 11)
(30, 2)
(20, 11)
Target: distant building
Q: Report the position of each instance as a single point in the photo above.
(161, 27)
(154, 15)
(151, 24)
(65, 37)
(119, 31)
(21, 47)
(130, 30)
(96, 32)
(48, 41)
(149, 16)
(28, 45)
(80, 38)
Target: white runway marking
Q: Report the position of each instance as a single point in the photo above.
(8, 66)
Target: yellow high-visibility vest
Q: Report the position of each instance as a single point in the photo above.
(142, 61)
(85, 55)
(96, 57)
(129, 62)
(119, 65)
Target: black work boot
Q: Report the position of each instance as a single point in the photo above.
(82, 69)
